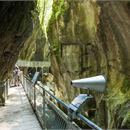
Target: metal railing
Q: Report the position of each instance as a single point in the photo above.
(4, 85)
(45, 105)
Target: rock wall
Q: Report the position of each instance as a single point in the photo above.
(88, 38)
(16, 25)
(114, 38)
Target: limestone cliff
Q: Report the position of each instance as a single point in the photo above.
(114, 30)
(88, 38)
(16, 26)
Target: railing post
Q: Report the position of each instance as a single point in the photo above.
(34, 98)
(8, 84)
(5, 93)
(25, 87)
(44, 110)
(22, 78)
(2, 93)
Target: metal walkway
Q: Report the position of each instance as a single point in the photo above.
(17, 114)
(25, 63)
(47, 109)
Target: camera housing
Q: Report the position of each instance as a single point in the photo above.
(96, 83)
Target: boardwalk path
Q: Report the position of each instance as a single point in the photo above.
(17, 113)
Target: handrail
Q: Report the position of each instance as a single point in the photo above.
(88, 122)
(84, 119)
(4, 91)
(58, 100)
(78, 115)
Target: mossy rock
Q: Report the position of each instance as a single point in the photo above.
(126, 85)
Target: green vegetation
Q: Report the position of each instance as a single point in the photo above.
(126, 85)
(58, 9)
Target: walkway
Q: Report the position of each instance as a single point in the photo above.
(17, 113)
(41, 64)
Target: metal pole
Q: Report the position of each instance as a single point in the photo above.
(89, 123)
(4, 92)
(25, 86)
(34, 98)
(44, 111)
(8, 85)
(42, 74)
(22, 80)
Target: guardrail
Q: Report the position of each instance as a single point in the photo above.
(4, 85)
(45, 105)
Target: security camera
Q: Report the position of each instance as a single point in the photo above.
(96, 83)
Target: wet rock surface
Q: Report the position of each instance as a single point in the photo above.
(15, 27)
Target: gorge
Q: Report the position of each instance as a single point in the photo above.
(81, 39)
